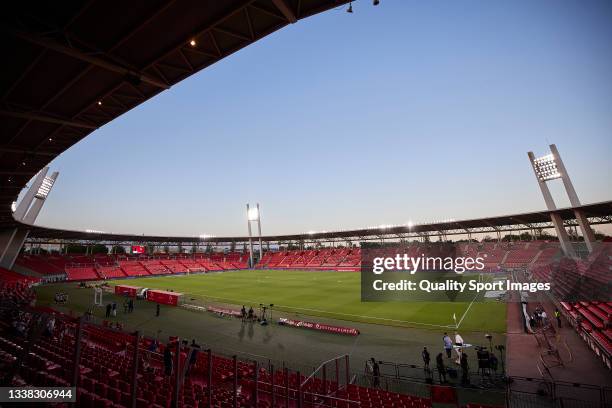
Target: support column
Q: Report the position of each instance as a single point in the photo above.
(27, 212)
(11, 251)
(250, 239)
(566, 245)
(583, 223)
(6, 237)
(25, 203)
(259, 232)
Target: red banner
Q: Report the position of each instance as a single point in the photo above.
(223, 311)
(319, 326)
(123, 290)
(163, 297)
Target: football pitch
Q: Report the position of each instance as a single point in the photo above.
(329, 294)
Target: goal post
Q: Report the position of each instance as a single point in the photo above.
(98, 294)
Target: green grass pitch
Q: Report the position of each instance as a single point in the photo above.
(335, 295)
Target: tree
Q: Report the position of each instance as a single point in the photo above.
(118, 249)
(99, 249)
(75, 249)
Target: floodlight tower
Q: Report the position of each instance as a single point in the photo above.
(253, 215)
(551, 167)
(11, 241)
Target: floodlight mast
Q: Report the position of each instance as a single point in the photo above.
(253, 215)
(27, 211)
(250, 237)
(259, 232)
(551, 167)
(583, 222)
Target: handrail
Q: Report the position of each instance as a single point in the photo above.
(321, 366)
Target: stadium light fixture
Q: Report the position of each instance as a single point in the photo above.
(193, 43)
(410, 224)
(99, 103)
(253, 214)
(546, 168)
(45, 188)
(14, 206)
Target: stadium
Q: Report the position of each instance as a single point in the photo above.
(343, 317)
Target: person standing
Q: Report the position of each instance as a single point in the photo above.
(167, 360)
(544, 318)
(440, 367)
(459, 347)
(558, 317)
(375, 373)
(448, 345)
(465, 369)
(426, 358)
(157, 310)
(251, 314)
(108, 310)
(194, 355)
(131, 306)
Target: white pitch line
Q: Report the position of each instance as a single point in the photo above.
(466, 311)
(330, 313)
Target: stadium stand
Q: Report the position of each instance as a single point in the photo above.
(592, 322)
(12, 279)
(518, 257)
(110, 272)
(119, 266)
(78, 273)
(40, 264)
(155, 267)
(133, 268)
(106, 365)
(533, 255)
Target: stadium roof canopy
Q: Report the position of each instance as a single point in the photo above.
(71, 66)
(600, 213)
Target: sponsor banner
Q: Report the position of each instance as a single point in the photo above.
(163, 297)
(125, 290)
(319, 326)
(223, 311)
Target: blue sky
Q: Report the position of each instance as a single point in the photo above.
(412, 110)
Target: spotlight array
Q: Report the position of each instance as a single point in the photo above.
(546, 168)
(45, 187)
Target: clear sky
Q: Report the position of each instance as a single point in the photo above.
(412, 110)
